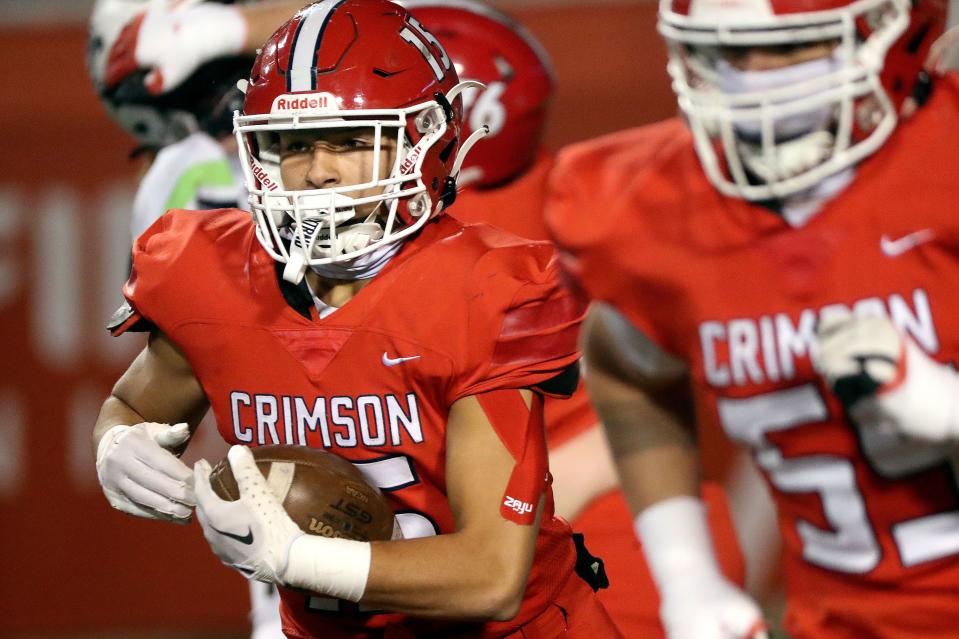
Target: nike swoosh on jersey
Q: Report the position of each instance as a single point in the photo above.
(895, 248)
(246, 539)
(393, 361)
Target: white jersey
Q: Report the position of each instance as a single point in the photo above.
(194, 173)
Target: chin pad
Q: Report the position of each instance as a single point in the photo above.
(295, 267)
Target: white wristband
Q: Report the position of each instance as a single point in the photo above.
(676, 542)
(333, 567)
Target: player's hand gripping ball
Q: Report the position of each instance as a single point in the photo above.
(272, 497)
(322, 493)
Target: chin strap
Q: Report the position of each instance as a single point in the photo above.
(790, 158)
(354, 238)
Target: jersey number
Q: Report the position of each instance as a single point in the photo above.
(485, 108)
(851, 545)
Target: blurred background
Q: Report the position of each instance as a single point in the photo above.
(75, 567)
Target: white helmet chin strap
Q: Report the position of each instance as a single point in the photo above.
(357, 236)
(788, 159)
(359, 268)
(321, 232)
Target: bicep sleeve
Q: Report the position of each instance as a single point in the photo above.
(522, 433)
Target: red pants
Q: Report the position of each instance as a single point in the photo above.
(576, 613)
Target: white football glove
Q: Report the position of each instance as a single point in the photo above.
(252, 534)
(885, 380)
(139, 474)
(255, 536)
(696, 600)
(710, 609)
(173, 39)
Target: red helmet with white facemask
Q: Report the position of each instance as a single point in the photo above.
(490, 47)
(364, 65)
(771, 134)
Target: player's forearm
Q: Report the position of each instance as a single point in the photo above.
(263, 18)
(455, 576)
(654, 453)
(654, 475)
(582, 470)
(644, 400)
(114, 412)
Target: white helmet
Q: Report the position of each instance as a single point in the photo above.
(205, 101)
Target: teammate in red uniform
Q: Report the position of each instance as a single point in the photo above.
(506, 177)
(352, 315)
(823, 197)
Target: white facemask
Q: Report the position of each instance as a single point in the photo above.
(733, 81)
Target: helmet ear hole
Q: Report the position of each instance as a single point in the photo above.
(445, 105)
(923, 88)
(429, 120)
(419, 205)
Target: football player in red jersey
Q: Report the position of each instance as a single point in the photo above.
(804, 210)
(352, 314)
(505, 177)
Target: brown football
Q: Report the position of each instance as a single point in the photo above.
(323, 493)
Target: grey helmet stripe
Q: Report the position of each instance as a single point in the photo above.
(300, 76)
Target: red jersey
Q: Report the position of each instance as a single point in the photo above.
(631, 599)
(870, 521)
(460, 311)
(517, 207)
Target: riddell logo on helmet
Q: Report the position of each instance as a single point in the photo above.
(260, 173)
(411, 159)
(304, 102)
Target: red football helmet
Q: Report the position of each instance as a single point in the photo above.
(854, 96)
(490, 47)
(351, 64)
